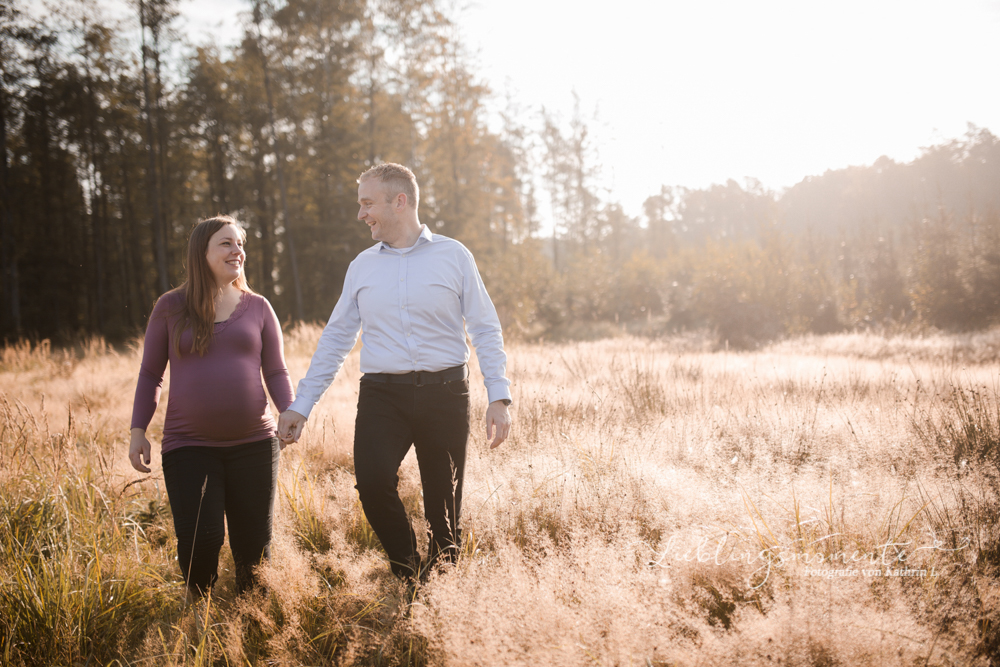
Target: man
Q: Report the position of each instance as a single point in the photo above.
(412, 295)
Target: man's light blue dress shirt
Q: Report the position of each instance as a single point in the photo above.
(413, 306)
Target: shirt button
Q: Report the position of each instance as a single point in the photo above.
(404, 307)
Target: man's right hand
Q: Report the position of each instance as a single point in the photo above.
(290, 425)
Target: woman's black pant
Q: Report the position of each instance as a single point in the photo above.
(210, 487)
(434, 419)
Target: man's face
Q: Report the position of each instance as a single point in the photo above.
(378, 211)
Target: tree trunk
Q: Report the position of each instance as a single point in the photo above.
(265, 218)
(8, 259)
(220, 166)
(152, 182)
(133, 259)
(96, 221)
(161, 153)
(279, 161)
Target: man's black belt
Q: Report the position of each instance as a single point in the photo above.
(420, 378)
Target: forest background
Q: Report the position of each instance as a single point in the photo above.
(110, 154)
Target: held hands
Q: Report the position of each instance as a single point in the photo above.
(498, 419)
(290, 425)
(138, 450)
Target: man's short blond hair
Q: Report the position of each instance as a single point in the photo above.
(396, 178)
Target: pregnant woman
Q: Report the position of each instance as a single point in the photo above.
(219, 448)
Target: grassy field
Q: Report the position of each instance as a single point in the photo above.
(823, 501)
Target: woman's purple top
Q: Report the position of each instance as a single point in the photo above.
(216, 400)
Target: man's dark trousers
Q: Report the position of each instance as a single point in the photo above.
(434, 418)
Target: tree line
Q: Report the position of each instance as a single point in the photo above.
(118, 135)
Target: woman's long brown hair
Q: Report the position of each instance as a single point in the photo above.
(198, 309)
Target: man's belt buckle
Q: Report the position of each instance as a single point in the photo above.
(419, 379)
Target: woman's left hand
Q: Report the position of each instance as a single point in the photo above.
(290, 425)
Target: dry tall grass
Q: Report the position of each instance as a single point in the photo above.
(824, 501)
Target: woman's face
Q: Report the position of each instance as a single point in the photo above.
(225, 255)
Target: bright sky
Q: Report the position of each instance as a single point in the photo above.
(693, 92)
(696, 92)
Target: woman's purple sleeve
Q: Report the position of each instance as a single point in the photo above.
(155, 352)
(272, 360)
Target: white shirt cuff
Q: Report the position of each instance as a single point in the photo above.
(302, 406)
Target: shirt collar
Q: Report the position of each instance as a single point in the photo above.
(425, 237)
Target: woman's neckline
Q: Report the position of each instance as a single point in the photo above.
(236, 310)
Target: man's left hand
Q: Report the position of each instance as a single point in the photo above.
(497, 423)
